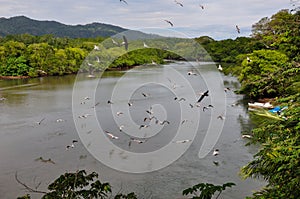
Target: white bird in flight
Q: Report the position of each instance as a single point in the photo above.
(216, 152)
(111, 135)
(145, 45)
(182, 141)
(220, 67)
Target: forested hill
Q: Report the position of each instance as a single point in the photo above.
(23, 25)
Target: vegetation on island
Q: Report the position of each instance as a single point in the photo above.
(267, 65)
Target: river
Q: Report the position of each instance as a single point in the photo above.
(65, 108)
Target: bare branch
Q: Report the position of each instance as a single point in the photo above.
(27, 187)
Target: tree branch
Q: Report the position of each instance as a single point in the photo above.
(26, 186)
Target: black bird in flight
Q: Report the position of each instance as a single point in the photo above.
(124, 1)
(39, 122)
(205, 94)
(169, 22)
(238, 29)
(125, 42)
(221, 117)
(178, 3)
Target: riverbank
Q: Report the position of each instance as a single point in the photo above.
(14, 77)
(278, 161)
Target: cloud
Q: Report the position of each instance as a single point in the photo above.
(218, 18)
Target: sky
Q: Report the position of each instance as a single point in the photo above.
(218, 19)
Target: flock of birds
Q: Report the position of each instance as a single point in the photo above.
(149, 111)
(152, 119)
(147, 120)
(181, 5)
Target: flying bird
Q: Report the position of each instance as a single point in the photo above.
(178, 3)
(109, 102)
(145, 94)
(216, 152)
(111, 135)
(246, 136)
(39, 122)
(153, 62)
(124, 1)
(59, 120)
(181, 99)
(220, 67)
(145, 45)
(129, 104)
(201, 6)
(191, 73)
(119, 113)
(248, 59)
(121, 127)
(44, 160)
(98, 59)
(163, 122)
(182, 141)
(150, 118)
(169, 22)
(125, 42)
(114, 42)
(209, 106)
(87, 98)
(221, 117)
(216, 163)
(72, 145)
(150, 111)
(226, 89)
(143, 126)
(84, 116)
(96, 47)
(205, 94)
(96, 104)
(136, 141)
(238, 29)
(91, 69)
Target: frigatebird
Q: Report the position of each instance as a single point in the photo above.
(169, 22)
(205, 94)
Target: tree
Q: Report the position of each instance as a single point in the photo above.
(15, 66)
(259, 75)
(76, 185)
(206, 190)
(278, 161)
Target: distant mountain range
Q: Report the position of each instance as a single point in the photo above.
(22, 25)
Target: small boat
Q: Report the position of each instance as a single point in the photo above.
(267, 105)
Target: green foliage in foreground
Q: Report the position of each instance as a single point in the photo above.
(278, 161)
(80, 185)
(206, 190)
